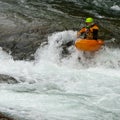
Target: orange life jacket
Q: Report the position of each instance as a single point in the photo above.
(89, 32)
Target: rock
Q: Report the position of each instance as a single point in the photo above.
(3, 117)
(23, 44)
(7, 79)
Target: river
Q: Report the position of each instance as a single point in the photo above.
(54, 86)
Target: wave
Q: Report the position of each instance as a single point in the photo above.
(49, 58)
(102, 7)
(59, 82)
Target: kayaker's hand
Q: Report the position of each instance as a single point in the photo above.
(78, 34)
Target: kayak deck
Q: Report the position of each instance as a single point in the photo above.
(88, 45)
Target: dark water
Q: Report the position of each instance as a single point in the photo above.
(71, 7)
(65, 14)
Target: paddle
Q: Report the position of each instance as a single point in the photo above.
(113, 40)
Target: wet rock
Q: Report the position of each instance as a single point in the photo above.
(4, 117)
(7, 79)
(21, 43)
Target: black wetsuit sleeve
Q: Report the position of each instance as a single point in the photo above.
(95, 34)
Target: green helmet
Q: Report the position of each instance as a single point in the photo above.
(89, 20)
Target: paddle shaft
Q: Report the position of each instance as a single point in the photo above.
(110, 41)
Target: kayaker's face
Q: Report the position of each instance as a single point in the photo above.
(88, 24)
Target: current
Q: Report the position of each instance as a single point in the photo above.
(54, 86)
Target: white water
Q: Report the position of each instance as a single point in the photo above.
(116, 7)
(62, 88)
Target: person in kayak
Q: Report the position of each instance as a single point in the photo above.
(90, 31)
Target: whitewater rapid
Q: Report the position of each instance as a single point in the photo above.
(56, 87)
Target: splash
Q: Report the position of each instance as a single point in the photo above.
(52, 52)
(63, 88)
(49, 58)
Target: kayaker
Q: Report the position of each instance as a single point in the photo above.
(90, 31)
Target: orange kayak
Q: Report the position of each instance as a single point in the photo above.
(88, 45)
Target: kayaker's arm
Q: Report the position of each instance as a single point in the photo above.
(78, 34)
(81, 32)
